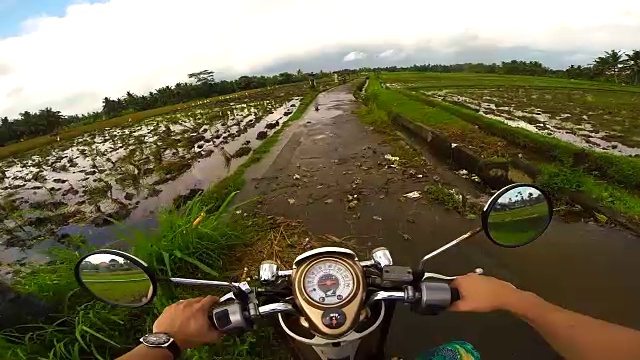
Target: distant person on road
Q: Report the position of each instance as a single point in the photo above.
(572, 335)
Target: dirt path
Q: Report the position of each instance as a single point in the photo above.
(580, 266)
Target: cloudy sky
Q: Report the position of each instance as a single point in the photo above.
(68, 54)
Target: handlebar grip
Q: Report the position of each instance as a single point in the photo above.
(435, 297)
(230, 317)
(455, 294)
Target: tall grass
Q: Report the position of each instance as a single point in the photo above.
(89, 329)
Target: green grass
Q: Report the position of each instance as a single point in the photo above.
(121, 292)
(115, 275)
(86, 329)
(518, 231)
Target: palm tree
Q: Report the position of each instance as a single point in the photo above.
(615, 60)
(632, 65)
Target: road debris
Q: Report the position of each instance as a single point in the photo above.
(405, 236)
(291, 201)
(356, 181)
(392, 159)
(411, 220)
(413, 195)
(352, 201)
(463, 173)
(328, 201)
(377, 218)
(296, 177)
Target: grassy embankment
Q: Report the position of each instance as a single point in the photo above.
(493, 139)
(86, 329)
(125, 120)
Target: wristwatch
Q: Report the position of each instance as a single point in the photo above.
(162, 340)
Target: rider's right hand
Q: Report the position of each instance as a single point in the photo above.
(479, 293)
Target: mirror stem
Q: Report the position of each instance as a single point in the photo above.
(454, 242)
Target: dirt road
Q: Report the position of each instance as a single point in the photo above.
(328, 155)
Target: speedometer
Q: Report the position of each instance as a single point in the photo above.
(328, 282)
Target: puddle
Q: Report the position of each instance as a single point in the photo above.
(582, 135)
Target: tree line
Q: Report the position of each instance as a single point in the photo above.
(614, 66)
(202, 85)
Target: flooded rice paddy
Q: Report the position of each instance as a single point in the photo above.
(126, 172)
(593, 119)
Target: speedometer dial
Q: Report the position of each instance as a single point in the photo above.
(328, 282)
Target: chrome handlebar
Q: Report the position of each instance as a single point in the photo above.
(276, 308)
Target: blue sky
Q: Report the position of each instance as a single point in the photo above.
(14, 12)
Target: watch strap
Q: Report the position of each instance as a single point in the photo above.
(174, 349)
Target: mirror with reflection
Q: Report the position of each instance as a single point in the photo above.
(115, 280)
(518, 216)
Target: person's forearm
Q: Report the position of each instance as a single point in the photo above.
(143, 352)
(573, 335)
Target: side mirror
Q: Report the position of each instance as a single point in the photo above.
(517, 215)
(116, 278)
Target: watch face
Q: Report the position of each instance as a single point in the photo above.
(158, 339)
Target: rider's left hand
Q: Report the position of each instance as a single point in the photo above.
(187, 321)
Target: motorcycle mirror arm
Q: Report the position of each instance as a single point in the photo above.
(445, 247)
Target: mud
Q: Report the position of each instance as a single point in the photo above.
(337, 159)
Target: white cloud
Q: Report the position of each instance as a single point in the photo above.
(355, 55)
(387, 53)
(105, 49)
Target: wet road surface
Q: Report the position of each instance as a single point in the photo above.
(580, 266)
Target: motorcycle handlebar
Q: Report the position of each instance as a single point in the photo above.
(428, 298)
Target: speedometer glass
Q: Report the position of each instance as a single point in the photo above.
(328, 282)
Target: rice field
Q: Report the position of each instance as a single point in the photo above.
(130, 171)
